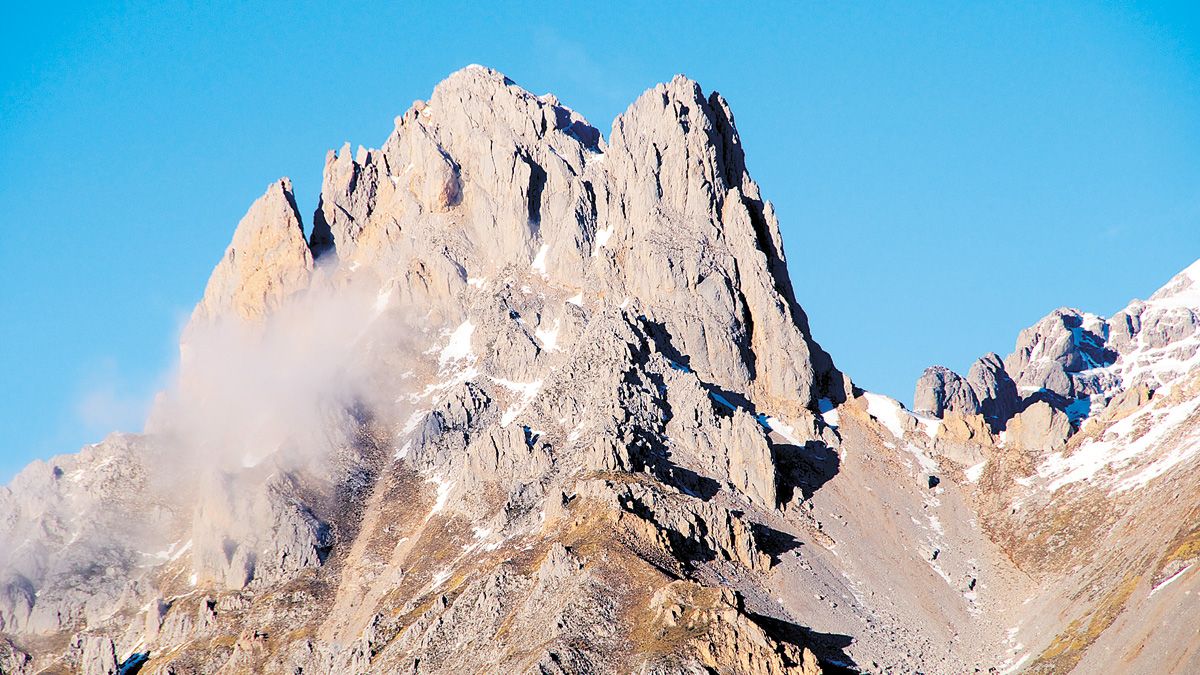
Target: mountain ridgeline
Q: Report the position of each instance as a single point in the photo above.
(531, 399)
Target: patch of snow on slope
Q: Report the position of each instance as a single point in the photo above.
(414, 420)
(576, 299)
(548, 338)
(539, 261)
(382, 299)
(477, 282)
(927, 463)
(1009, 669)
(973, 473)
(1182, 291)
(184, 549)
(459, 346)
(465, 375)
(828, 412)
(888, 411)
(1168, 580)
(1094, 455)
(443, 493)
(528, 391)
(1186, 447)
(780, 427)
(928, 424)
(440, 577)
(602, 237)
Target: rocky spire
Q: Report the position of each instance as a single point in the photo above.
(941, 390)
(546, 402)
(485, 176)
(267, 261)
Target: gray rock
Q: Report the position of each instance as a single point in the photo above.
(565, 372)
(940, 389)
(98, 655)
(995, 389)
(1039, 429)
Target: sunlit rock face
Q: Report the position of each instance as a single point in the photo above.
(533, 398)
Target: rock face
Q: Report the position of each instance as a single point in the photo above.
(554, 363)
(533, 400)
(988, 390)
(940, 390)
(267, 261)
(995, 389)
(1039, 429)
(664, 214)
(1076, 362)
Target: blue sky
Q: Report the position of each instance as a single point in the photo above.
(944, 174)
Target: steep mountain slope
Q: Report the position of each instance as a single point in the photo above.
(1089, 484)
(532, 400)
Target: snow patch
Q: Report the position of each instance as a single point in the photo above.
(829, 412)
(975, 472)
(1094, 455)
(440, 577)
(1168, 580)
(528, 392)
(929, 425)
(602, 237)
(887, 410)
(783, 429)
(548, 338)
(443, 493)
(382, 299)
(414, 420)
(539, 261)
(1008, 670)
(459, 346)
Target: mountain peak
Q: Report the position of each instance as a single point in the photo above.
(267, 260)
(485, 177)
(533, 400)
(1182, 290)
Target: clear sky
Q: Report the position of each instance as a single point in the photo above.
(945, 174)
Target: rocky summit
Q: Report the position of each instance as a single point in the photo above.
(533, 399)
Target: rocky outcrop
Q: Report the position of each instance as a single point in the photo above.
(1079, 363)
(98, 655)
(1039, 429)
(665, 213)
(267, 261)
(265, 533)
(566, 416)
(998, 397)
(707, 621)
(14, 661)
(940, 390)
(1050, 354)
(965, 439)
